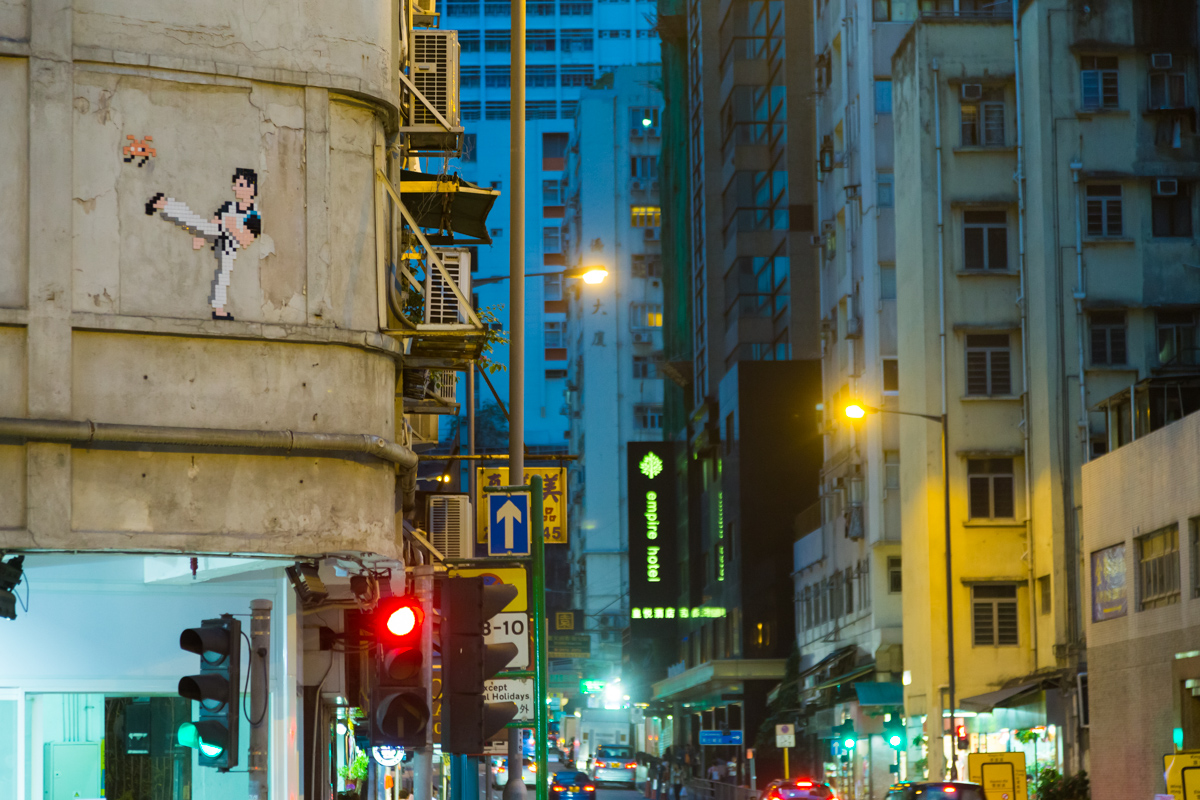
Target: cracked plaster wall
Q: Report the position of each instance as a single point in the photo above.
(104, 310)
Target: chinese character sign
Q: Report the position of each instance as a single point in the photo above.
(1109, 599)
(554, 496)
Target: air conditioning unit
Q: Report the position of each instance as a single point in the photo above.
(654, 186)
(425, 13)
(972, 91)
(434, 72)
(653, 234)
(1166, 187)
(441, 306)
(1161, 61)
(639, 185)
(643, 337)
(449, 525)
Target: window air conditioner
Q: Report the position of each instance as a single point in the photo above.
(972, 91)
(449, 525)
(1166, 187)
(639, 185)
(425, 12)
(1161, 61)
(434, 72)
(643, 337)
(441, 306)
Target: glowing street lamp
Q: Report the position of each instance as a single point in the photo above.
(593, 275)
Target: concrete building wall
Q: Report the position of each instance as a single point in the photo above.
(106, 310)
(1139, 661)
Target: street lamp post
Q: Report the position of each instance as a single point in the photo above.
(858, 411)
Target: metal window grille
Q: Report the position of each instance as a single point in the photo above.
(540, 76)
(497, 41)
(647, 416)
(895, 575)
(990, 488)
(988, 364)
(994, 616)
(1158, 568)
(985, 240)
(498, 76)
(540, 41)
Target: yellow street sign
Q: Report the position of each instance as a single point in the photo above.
(510, 575)
(1002, 775)
(1183, 775)
(554, 499)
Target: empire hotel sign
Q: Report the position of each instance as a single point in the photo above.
(653, 560)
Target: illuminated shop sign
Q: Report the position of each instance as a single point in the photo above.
(653, 559)
(670, 612)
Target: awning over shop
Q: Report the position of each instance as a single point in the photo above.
(1002, 697)
(713, 677)
(857, 672)
(879, 694)
(456, 208)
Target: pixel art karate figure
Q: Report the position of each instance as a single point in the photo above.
(234, 227)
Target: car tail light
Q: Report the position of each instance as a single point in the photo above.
(631, 765)
(775, 795)
(556, 788)
(804, 783)
(533, 767)
(589, 788)
(949, 789)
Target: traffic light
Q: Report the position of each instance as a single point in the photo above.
(216, 688)
(467, 662)
(894, 733)
(845, 735)
(960, 733)
(10, 576)
(399, 698)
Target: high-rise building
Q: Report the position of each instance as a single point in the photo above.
(741, 346)
(570, 44)
(1044, 227)
(613, 337)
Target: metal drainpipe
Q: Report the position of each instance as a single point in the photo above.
(1023, 303)
(1080, 296)
(88, 432)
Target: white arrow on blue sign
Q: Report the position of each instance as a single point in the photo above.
(508, 524)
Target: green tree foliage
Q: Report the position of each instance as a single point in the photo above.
(1052, 785)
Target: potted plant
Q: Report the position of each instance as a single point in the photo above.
(356, 773)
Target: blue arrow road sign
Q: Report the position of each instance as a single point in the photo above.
(508, 524)
(720, 737)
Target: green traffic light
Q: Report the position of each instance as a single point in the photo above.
(895, 740)
(849, 742)
(188, 735)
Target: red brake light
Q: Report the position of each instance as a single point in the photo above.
(949, 789)
(631, 765)
(589, 788)
(804, 783)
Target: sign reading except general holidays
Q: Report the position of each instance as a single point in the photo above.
(509, 525)
(554, 499)
(507, 690)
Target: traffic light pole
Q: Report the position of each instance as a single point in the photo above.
(423, 761)
(260, 723)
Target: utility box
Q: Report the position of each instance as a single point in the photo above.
(72, 771)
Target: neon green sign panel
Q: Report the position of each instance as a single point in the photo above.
(650, 465)
(670, 612)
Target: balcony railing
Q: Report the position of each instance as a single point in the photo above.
(944, 9)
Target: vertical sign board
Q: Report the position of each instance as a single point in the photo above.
(1002, 775)
(554, 499)
(653, 557)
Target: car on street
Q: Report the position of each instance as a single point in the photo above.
(798, 789)
(571, 785)
(614, 763)
(528, 772)
(936, 790)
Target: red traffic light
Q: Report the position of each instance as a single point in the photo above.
(400, 619)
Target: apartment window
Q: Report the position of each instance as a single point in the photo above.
(497, 9)
(470, 110)
(551, 193)
(885, 190)
(883, 97)
(554, 145)
(540, 76)
(469, 77)
(498, 76)
(891, 376)
(1108, 337)
(1047, 604)
(474, 251)
(645, 216)
(1168, 90)
(614, 33)
(990, 488)
(497, 41)
(895, 575)
(994, 615)
(1158, 568)
(1175, 337)
(988, 364)
(468, 41)
(892, 10)
(891, 471)
(644, 367)
(577, 40)
(985, 240)
(540, 109)
(575, 9)
(555, 335)
(647, 416)
(887, 282)
(1098, 82)
(552, 239)
(540, 41)
(552, 288)
(644, 316)
(469, 144)
(496, 109)
(645, 266)
(460, 9)
(1172, 213)
(570, 108)
(1104, 210)
(639, 116)
(580, 75)
(983, 119)
(643, 167)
